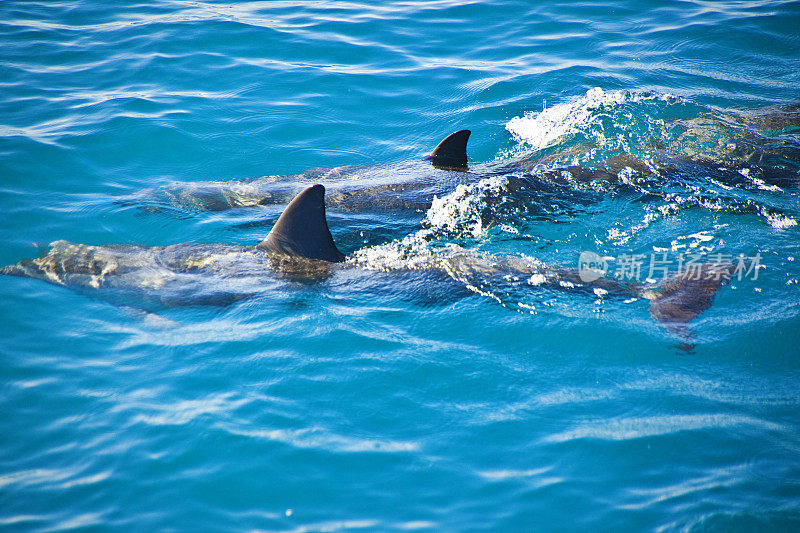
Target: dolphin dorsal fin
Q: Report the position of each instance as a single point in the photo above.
(302, 229)
(452, 151)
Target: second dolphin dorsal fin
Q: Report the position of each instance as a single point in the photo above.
(452, 151)
(302, 229)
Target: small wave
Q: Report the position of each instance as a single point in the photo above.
(186, 411)
(636, 428)
(685, 155)
(320, 438)
(779, 221)
(542, 129)
(57, 478)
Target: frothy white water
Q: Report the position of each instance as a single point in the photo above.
(460, 214)
(542, 129)
(460, 211)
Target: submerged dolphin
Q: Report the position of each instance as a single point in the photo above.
(412, 185)
(300, 245)
(728, 150)
(406, 186)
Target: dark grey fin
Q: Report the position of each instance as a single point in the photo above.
(452, 151)
(682, 297)
(302, 229)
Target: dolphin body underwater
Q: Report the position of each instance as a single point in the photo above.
(300, 247)
(704, 145)
(412, 185)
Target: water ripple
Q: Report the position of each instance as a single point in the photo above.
(636, 428)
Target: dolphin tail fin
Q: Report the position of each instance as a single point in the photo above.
(452, 151)
(302, 229)
(682, 297)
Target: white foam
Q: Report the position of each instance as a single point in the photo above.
(409, 253)
(779, 221)
(542, 129)
(537, 279)
(460, 211)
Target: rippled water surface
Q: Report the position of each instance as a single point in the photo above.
(438, 380)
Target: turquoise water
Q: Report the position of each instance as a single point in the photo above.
(384, 400)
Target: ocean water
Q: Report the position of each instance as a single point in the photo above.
(385, 397)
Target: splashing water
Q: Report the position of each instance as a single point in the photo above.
(590, 116)
(688, 155)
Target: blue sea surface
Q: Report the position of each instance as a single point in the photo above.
(373, 399)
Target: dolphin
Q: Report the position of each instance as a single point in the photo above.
(300, 247)
(727, 149)
(410, 185)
